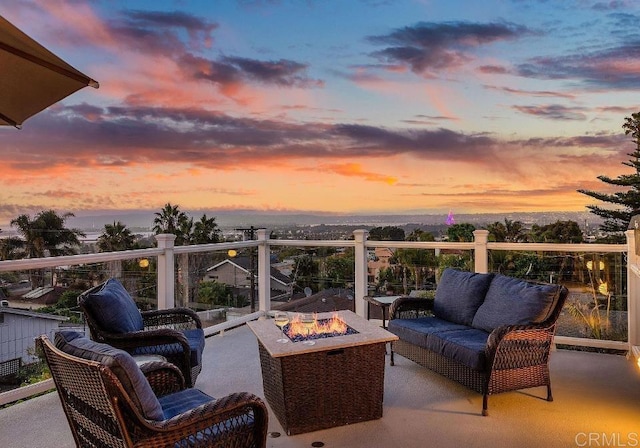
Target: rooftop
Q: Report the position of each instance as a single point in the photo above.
(597, 403)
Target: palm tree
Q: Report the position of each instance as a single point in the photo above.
(115, 237)
(168, 219)
(206, 231)
(418, 260)
(10, 247)
(510, 231)
(46, 235)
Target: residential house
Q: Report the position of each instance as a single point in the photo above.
(236, 272)
(18, 330)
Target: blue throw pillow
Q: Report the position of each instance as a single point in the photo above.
(512, 301)
(459, 295)
(121, 364)
(114, 309)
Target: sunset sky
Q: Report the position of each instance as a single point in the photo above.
(370, 106)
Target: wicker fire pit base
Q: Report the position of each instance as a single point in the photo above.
(323, 389)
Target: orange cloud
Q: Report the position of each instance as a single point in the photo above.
(355, 170)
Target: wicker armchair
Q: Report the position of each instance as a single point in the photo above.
(107, 400)
(517, 356)
(113, 318)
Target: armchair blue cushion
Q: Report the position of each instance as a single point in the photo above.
(511, 301)
(121, 364)
(113, 308)
(195, 338)
(459, 295)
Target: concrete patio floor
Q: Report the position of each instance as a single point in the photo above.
(597, 403)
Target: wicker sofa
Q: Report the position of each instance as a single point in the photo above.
(489, 332)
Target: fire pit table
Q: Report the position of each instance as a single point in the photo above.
(337, 381)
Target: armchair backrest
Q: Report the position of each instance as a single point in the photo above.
(92, 398)
(109, 308)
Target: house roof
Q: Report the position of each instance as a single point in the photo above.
(32, 314)
(332, 299)
(244, 264)
(38, 292)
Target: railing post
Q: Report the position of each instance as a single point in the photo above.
(633, 290)
(360, 272)
(166, 270)
(481, 254)
(264, 271)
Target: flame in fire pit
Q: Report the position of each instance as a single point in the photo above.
(321, 328)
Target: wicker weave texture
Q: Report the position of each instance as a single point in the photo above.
(162, 335)
(517, 355)
(100, 414)
(319, 390)
(473, 379)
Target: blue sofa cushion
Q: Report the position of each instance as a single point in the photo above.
(121, 364)
(465, 346)
(459, 295)
(184, 400)
(512, 301)
(195, 338)
(416, 331)
(114, 309)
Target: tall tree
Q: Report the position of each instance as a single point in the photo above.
(206, 231)
(417, 260)
(558, 232)
(115, 237)
(386, 233)
(169, 219)
(461, 232)
(627, 203)
(46, 235)
(510, 231)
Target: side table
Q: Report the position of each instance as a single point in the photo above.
(383, 302)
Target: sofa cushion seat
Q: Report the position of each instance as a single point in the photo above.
(459, 295)
(181, 401)
(511, 301)
(188, 399)
(416, 331)
(195, 338)
(121, 364)
(113, 308)
(466, 346)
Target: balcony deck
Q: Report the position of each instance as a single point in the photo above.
(597, 403)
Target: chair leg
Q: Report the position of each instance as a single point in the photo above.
(391, 362)
(485, 404)
(549, 396)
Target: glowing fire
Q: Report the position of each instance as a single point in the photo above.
(333, 326)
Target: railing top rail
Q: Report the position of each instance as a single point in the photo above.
(70, 260)
(215, 246)
(559, 247)
(421, 244)
(313, 243)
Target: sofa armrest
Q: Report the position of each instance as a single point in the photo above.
(515, 346)
(164, 378)
(176, 318)
(146, 338)
(411, 308)
(238, 419)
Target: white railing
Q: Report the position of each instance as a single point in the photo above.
(166, 253)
